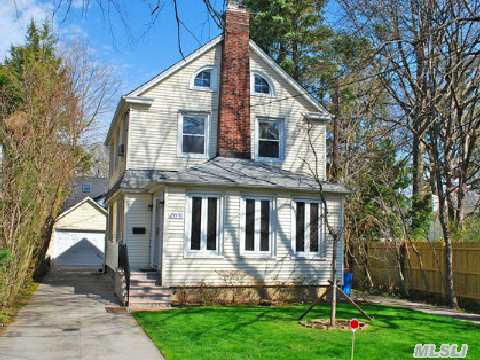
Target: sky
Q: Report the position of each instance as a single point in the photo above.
(128, 41)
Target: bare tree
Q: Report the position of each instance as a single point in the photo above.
(429, 50)
(61, 98)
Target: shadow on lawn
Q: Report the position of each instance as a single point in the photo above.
(240, 317)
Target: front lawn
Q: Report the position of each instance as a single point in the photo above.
(254, 332)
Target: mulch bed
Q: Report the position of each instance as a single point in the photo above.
(325, 324)
(116, 309)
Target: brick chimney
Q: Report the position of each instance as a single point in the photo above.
(234, 100)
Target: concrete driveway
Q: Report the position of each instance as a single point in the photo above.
(66, 320)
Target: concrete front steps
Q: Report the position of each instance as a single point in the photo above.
(146, 293)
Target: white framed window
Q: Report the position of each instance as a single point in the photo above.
(257, 226)
(203, 225)
(86, 188)
(204, 79)
(261, 84)
(193, 134)
(308, 228)
(270, 139)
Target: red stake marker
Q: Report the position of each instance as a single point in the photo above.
(354, 325)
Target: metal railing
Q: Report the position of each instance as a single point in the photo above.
(123, 264)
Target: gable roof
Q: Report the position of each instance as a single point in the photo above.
(256, 49)
(175, 67)
(89, 200)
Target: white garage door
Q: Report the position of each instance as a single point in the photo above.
(79, 249)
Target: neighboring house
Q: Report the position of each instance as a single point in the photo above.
(471, 204)
(78, 238)
(87, 186)
(209, 180)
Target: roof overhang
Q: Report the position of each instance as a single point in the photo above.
(229, 173)
(317, 116)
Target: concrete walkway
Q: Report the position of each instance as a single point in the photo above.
(418, 306)
(66, 320)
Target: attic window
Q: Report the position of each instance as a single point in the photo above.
(261, 85)
(203, 79)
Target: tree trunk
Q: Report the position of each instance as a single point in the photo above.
(442, 215)
(333, 307)
(336, 113)
(417, 165)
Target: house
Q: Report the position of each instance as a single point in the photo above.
(78, 238)
(471, 206)
(87, 186)
(210, 181)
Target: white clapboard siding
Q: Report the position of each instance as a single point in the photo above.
(138, 214)
(179, 270)
(116, 169)
(289, 105)
(153, 131)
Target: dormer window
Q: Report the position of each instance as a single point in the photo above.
(204, 79)
(261, 86)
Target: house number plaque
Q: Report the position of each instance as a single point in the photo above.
(176, 216)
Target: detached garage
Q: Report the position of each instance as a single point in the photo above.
(78, 238)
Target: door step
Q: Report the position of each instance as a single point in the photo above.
(146, 292)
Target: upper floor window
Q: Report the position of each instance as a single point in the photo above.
(193, 134)
(204, 78)
(261, 85)
(257, 226)
(270, 138)
(310, 228)
(86, 188)
(203, 224)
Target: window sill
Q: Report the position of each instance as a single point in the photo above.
(202, 255)
(263, 95)
(257, 256)
(209, 90)
(271, 161)
(194, 156)
(308, 257)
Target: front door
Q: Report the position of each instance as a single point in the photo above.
(157, 235)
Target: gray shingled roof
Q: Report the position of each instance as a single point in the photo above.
(228, 172)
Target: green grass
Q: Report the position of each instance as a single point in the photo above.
(241, 332)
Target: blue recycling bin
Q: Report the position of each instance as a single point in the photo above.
(347, 283)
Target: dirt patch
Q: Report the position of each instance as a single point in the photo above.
(116, 309)
(325, 324)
